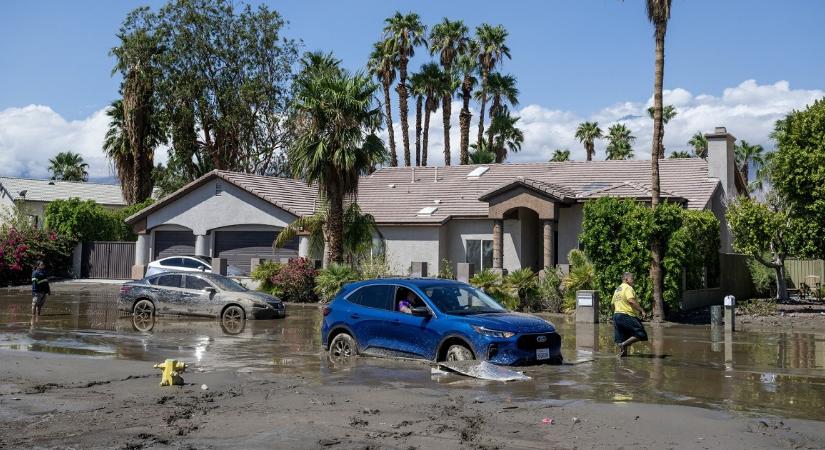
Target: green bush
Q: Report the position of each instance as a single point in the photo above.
(493, 285)
(550, 291)
(374, 267)
(330, 280)
(762, 277)
(295, 282)
(90, 221)
(580, 276)
(22, 244)
(523, 284)
(445, 270)
(264, 273)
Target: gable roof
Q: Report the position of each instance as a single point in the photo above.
(545, 189)
(50, 190)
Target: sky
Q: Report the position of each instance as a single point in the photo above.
(734, 63)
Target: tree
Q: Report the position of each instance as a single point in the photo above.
(761, 229)
(560, 155)
(405, 32)
(417, 90)
(503, 91)
(482, 155)
(491, 50)
(336, 143)
(658, 13)
(382, 63)
(748, 155)
(680, 154)
(700, 144)
(449, 39)
(466, 68)
(620, 144)
(68, 166)
(507, 137)
(432, 83)
(668, 113)
(587, 133)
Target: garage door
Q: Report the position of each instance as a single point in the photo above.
(173, 243)
(239, 247)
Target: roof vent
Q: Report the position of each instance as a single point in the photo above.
(391, 186)
(477, 173)
(427, 211)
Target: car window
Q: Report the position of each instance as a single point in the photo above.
(192, 263)
(378, 297)
(406, 299)
(169, 281)
(452, 299)
(171, 262)
(196, 283)
(227, 284)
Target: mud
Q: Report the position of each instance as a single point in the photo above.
(81, 375)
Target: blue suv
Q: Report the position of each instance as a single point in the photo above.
(433, 319)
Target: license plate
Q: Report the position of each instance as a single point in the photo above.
(542, 353)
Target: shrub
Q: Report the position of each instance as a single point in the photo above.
(550, 292)
(264, 273)
(762, 277)
(374, 267)
(445, 270)
(22, 245)
(581, 276)
(330, 280)
(493, 285)
(522, 283)
(90, 221)
(295, 282)
(761, 307)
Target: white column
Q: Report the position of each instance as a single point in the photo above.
(142, 250)
(201, 245)
(303, 246)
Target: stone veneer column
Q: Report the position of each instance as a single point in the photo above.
(498, 244)
(549, 250)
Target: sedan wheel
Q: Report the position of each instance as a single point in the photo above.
(459, 353)
(233, 317)
(144, 309)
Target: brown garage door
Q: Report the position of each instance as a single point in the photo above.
(239, 247)
(173, 243)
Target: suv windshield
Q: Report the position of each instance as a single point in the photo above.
(462, 300)
(226, 284)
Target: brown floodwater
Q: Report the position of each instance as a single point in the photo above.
(772, 372)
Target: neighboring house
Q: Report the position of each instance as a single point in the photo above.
(34, 195)
(501, 216)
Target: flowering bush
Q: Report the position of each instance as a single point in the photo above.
(21, 246)
(295, 281)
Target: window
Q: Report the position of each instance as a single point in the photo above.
(403, 294)
(373, 297)
(462, 300)
(480, 253)
(191, 263)
(172, 262)
(169, 281)
(196, 283)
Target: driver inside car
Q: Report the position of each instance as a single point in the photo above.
(408, 302)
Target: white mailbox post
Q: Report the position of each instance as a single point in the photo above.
(587, 306)
(730, 313)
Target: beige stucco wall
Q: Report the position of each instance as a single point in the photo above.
(458, 231)
(405, 244)
(570, 225)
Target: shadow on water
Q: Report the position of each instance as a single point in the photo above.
(756, 372)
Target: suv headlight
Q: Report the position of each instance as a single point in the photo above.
(493, 333)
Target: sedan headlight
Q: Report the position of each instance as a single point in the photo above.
(493, 333)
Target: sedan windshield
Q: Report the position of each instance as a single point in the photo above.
(462, 300)
(227, 284)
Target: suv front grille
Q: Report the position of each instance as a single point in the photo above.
(531, 341)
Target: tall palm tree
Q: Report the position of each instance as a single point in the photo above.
(449, 39)
(658, 13)
(68, 166)
(405, 32)
(466, 68)
(507, 137)
(502, 90)
(417, 90)
(747, 155)
(382, 63)
(433, 84)
(116, 148)
(620, 145)
(336, 142)
(560, 155)
(587, 133)
(680, 154)
(491, 50)
(700, 144)
(668, 113)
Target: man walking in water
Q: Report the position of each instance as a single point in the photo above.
(627, 312)
(40, 288)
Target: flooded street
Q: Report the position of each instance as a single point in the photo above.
(756, 373)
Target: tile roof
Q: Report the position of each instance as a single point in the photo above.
(552, 190)
(48, 190)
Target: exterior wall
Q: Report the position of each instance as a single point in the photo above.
(718, 205)
(570, 225)
(405, 244)
(458, 231)
(201, 210)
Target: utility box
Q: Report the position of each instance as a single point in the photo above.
(587, 307)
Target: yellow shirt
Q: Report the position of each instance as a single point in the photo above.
(624, 293)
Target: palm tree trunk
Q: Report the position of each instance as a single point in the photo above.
(137, 103)
(419, 104)
(335, 225)
(426, 137)
(390, 131)
(588, 147)
(464, 121)
(446, 112)
(403, 108)
(480, 139)
(657, 246)
(494, 110)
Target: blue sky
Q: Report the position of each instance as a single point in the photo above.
(574, 58)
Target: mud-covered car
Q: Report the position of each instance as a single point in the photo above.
(197, 294)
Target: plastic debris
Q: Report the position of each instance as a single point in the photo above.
(547, 421)
(576, 420)
(483, 370)
(171, 372)
(204, 387)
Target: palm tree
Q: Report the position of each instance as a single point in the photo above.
(68, 166)
(116, 148)
(747, 155)
(503, 91)
(336, 142)
(405, 32)
(433, 84)
(658, 13)
(560, 155)
(680, 154)
(417, 90)
(491, 50)
(700, 144)
(482, 155)
(507, 137)
(668, 113)
(587, 133)
(382, 63)
(449, 39)
(466, 68)
(620, 145)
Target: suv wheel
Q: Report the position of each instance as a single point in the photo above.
(343, 347)
(459, 352)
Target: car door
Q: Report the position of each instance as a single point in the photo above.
(409, 334)
(195, 299)
(169, 288)
(370, 313)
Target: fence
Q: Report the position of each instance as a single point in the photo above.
(106, 259)
(799, 269)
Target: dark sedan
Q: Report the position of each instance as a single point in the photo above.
(197, 294)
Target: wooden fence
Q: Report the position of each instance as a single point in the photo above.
(799, 269)
(112, 260)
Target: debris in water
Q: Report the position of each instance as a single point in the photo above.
(204, 387)
(483, 370)
(547, 421)
(576, 420)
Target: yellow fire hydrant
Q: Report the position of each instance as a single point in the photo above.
(171, 372)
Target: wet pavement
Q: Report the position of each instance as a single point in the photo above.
(776, 372)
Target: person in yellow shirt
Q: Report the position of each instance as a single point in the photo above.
(627, 312)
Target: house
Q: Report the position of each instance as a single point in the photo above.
(501, 216)
(33, 195)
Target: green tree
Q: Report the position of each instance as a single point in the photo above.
(747, 156)
(405, 32)
(668, 113)
(466, 68)
(432, 84)
(700, 144)
(419, 93)
(492, 49)
(587, 133)
(482, 155)
(560, 155)
(507, 137)
(382, 64)
(620, 142)
(336, 143)
(68, 166)
(676, 154)
(502, 90)
(449, 39)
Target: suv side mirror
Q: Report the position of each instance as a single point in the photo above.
(421, 311)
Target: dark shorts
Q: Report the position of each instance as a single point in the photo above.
(39, 299)
(625, 326)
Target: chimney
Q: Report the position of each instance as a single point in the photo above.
(721, 161)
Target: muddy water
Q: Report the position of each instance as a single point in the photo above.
(754, 372)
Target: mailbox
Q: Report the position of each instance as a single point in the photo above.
(587, 306)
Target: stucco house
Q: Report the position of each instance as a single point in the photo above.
(502, 216)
